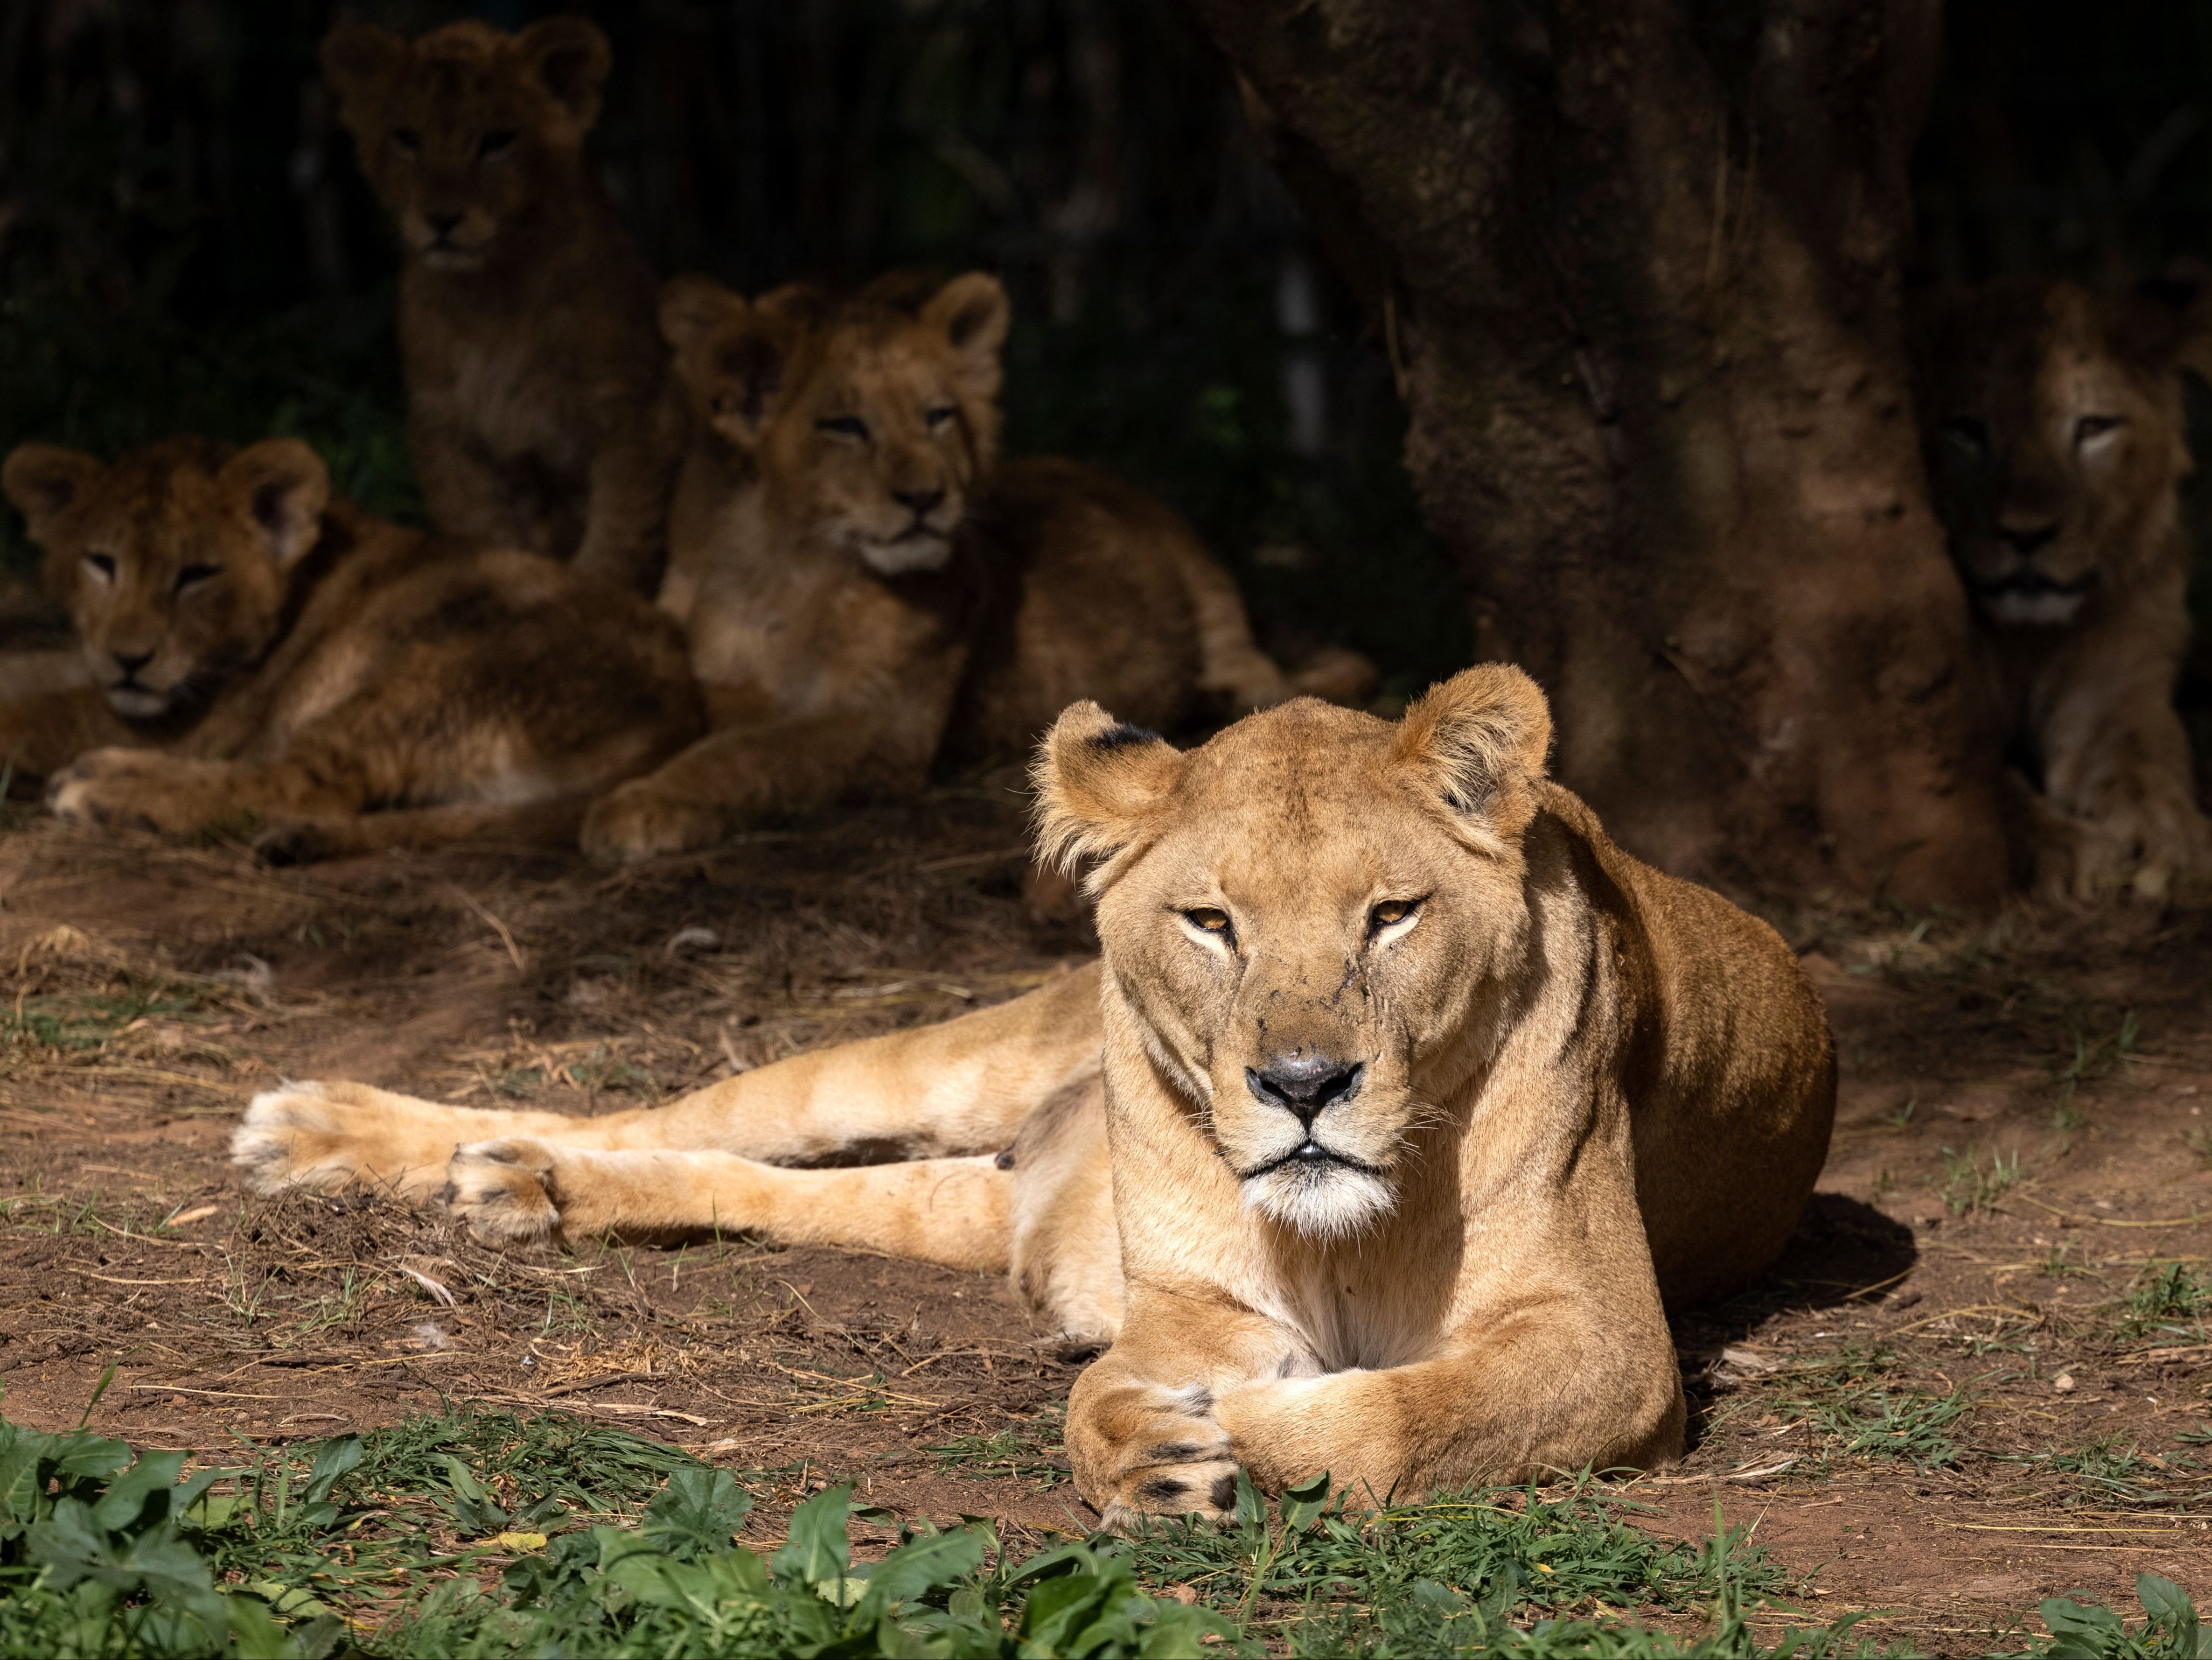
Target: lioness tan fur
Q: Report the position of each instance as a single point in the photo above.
(867, 594)
(250, 648)
(2053, 425)
(535, 374)
(1401, 1105)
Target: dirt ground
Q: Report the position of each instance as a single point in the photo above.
(1979, 1378)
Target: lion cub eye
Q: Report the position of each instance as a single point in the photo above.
(845, 426)
(1215, 923)
(407, 142)
(101, 566)
(2090, 427)
(496, 144)
(1390, 913)
(193, 575)
(934, 418)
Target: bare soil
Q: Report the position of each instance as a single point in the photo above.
(2021, 1149)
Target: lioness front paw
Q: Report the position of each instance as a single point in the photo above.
(1169, 1457)
(502, 1189)
(636, 821)
(328, 1136)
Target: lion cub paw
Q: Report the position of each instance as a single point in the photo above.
(502, 1191)
(124, 786)
(636, 821)
(1171, 1459)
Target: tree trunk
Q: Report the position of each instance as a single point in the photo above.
(1638, 263)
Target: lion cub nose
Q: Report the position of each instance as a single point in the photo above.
(441, 224)
(2025, 539)
(1305, 1084)
(919, 501)
(132, 661)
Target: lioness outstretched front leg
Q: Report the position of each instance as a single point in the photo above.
(522, 1191)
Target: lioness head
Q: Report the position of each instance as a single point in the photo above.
(1312, 918)
(175, 562)
(465, 131)
(2053, 426)
(871, 420)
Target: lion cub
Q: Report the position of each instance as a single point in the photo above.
(866, 594)
(2053, 426)
(249, 647)
(535, 375)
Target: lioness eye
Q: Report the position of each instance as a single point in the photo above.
(1967, 432)
(938, 416)
(1208, 921)
(845, 426)
(2094, 425)
(407, 141)
(494, 143)
(102, 566)
(193, 576)
(1390, 913)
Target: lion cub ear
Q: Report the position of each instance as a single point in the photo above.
(973, 313)
(570, 59)
(358, 60)
(283, 487)
(45, 480)
(1479, 740)
(730, 355)
(1100, 786)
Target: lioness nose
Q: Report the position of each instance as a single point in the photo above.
(132, 661)
(442, 223)
(919, 500)
(1305, 1084)
(2025, 539)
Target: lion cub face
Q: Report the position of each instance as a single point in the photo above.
(465, 131)
(1313, 917)
(174, 562)
(871, 421)
(2052, 423)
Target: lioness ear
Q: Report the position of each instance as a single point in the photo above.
(358, 58)
(974, 313)
(569, 57)
(283, 487)
(1479, 740)
(1100, 786)
(45, 480)
(730, 357)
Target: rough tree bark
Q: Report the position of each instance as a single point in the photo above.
(1639, 263)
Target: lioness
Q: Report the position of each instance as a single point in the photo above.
(1402, 1102)
(2053, 426)
(535, 376)
(867, 594)
(249, 646)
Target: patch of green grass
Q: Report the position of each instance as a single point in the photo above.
(2106, 1473)
(2170, 1299)
(1849, 1401)
(1010, 1452)
(2093, 1055)
(1970, 1188)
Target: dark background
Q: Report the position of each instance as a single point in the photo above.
(186, 242)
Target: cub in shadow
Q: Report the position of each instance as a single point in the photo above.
(870, 593)
(252, 651)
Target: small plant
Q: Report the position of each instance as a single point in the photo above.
(1007, 1452)
(2170, 1627)
(2060, 1264)
(1971, 1189)
(1903, 1115)
(2199, 1141)
(2094, 1056)
(2163, 1296)
(2108, 1473)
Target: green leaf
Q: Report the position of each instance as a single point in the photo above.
(816, 1552)
(697, 1512)
(336, 1458)
(129, 1503)
(924, 1565)
(471, 1504)
(1302, 1504)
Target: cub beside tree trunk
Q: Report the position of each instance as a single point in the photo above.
(1636, 261)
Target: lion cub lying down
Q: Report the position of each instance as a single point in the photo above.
(250, 648)
(2053, 423)
(867, 594)
(1402, 1104)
